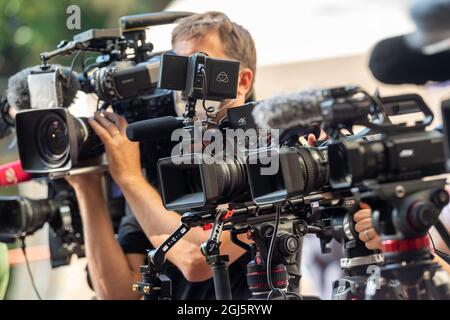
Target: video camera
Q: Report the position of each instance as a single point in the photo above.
(21, 216)
(59, 141)
(394, 168)
(137, 91)
(398, 153)
(368, 166)
(213, 175)
(124, 77)
(199, 77)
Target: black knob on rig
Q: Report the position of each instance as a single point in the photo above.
(423, 215)
(288, 245)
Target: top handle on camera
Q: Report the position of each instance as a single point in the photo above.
(345, 107)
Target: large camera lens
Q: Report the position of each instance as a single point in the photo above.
(89, 144)
(53, 139)
(125, 80)
(302, 170)
(315, 169)
(21, 216)
(56, 134)
(353, 161)
(10, 218)
(188, 182)
(231, 178)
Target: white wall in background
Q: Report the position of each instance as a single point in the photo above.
(296, 76)
(312, 43)
(287, 31)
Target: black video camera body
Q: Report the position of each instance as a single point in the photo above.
(137, 85)
(211, 177)
(125, 81)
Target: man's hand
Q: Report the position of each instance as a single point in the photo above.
(123, 155)
(364, 227)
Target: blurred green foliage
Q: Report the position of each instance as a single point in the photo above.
(29, 27)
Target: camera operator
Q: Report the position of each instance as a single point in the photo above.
(114, 264)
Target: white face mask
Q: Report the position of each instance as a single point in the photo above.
(199, 110)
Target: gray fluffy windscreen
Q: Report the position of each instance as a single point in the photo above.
(299, 109)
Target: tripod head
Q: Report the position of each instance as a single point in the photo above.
(403, 213)
(334, 217)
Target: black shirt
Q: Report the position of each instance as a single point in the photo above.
(133, 240)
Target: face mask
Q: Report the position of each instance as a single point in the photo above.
(199, 110)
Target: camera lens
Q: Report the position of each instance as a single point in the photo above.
(231, 177)
(89, 144)
(313, 163)
(353, 161)
(56, 134)
(188, 182)
(193, 180)
(21, 216)
(53, 139)
(302, 170)
(10, 218)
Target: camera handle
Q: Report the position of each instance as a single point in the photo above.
(155, 285)
(219, 263)
(64, 48)
(78, 171)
